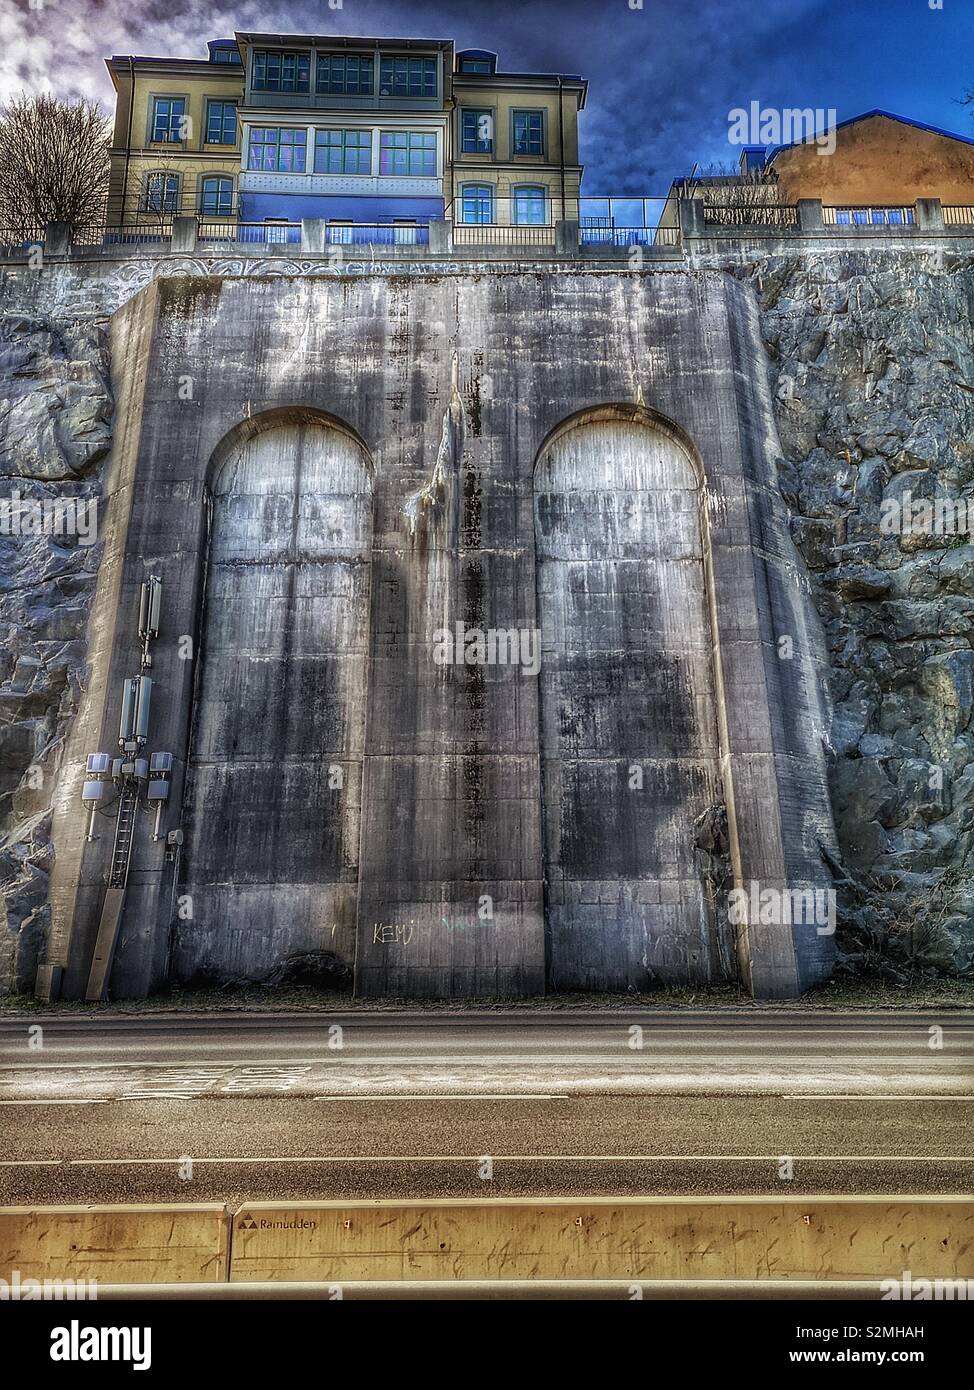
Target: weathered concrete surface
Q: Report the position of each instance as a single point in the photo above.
(630, 755)
(121, 1244)
(274, 791)
(453, 384)
(606, 1238)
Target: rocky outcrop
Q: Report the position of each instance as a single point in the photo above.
(55, 429)
(872, 361)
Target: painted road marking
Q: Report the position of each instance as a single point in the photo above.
(500, 1158)
(825, 1095)
(106, 1100)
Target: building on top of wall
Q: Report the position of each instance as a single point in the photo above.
(276, 128)
(872, 170)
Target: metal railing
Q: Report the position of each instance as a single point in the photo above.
(14, 240)
(852, 216)
(496, 234)
(624, 237)
(750, 214)
(958, 215)
(377, 234)
(250, 233)
(129, 234)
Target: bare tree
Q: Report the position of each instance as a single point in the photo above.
(732, 199)
(55, 160)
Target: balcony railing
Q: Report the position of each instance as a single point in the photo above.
(155, 233)
(250, 233)
(852, 216)
(496, 234)
(377, 234)
(959, 215)
(624, 237)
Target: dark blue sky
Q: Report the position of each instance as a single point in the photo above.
(662, 79)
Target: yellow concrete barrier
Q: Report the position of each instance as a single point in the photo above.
(116, 1245)
(810, 1238)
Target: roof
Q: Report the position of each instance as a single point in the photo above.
(341, 41)
(887, 115)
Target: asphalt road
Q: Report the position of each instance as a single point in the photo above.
(101, 1109)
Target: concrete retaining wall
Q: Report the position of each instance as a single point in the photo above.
(453, 386)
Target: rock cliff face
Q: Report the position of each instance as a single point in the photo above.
(55, 429)
(871, 356)
(872, 366)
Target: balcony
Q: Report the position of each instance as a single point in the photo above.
(344, 185)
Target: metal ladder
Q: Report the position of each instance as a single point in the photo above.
(128, 810)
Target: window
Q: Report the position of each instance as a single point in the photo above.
(481, 65)
(477, 203)
(168, 115)
(216, 197)
(407, 77)
(405, 152)
(529, 132)
(161, 193)
(476, 132)
(281, 72)
(345, 74)
(530, 207)
(221, 122)
(276, 150)
(343, 152)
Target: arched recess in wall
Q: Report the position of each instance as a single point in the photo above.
(274, 776)
(629, 742)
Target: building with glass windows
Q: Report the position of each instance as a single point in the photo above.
(276, 128)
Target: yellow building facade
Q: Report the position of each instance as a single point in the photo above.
(279, 128)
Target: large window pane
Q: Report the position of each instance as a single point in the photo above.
(477, 203)
(221, 123)
(477, 132)
(167, 117)
(343, 152)
(281, 72)
(216, 197)
(408, 153)
(407, 77)
(274, 149)
(345, 74)
(162, 193)
(529, 207)
(528, 132)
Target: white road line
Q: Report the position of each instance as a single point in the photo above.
(94, 1101)
(506, 1158)
(424, 1096)
(824, 1095)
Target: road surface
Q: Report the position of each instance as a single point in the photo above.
(112, 1109)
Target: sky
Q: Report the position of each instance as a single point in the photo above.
(664, 74)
